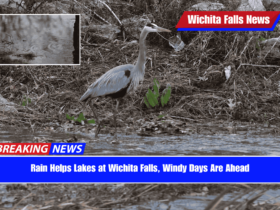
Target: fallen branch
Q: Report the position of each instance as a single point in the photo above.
(30, 194)
(271, 48)
(38, 6)
(216, 201)
(184, 118)
(96, 45)
(246, 46)
(150, 187)
(265, 66)
(111, 12)
(101, 18)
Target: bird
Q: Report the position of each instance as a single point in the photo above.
(121, 80)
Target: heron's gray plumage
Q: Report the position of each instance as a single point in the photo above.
(123, 79)
(114, 80)
(110, 82)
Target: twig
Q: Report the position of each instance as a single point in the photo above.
(270, 48)
(111, 12)
(250, 91)
(82, 5)
(5, 78)
(19, 4)
(246, 46)
(32, 76)
(39, 6)
(216, 201)
(150, 187)
(234, 91)
(184, 118)
(231, 47)
(30, 194)
(236, 198)
(248, 64)
(88, 44)
(96, 45)
(274, 73)
(100, 55)
(101, 18)
(267, 66)
(147, 190)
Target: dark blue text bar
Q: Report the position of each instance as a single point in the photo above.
(140, 169)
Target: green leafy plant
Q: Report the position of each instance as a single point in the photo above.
(69, 117)
(166, 95)
(258, 43)
(276, 29)
(262, 39)
(25, 101)
(91, 121)
(80, 118)
(151, 98)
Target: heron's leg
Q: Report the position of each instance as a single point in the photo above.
(115, 110)
(97, 130)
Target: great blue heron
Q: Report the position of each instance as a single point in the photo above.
(119, 81)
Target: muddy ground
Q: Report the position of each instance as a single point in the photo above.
(131, 196)
(200, 91)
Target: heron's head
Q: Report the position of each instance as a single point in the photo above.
(151, 27)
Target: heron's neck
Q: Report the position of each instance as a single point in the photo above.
(140, 65)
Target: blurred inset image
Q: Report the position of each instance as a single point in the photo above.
(39, 39)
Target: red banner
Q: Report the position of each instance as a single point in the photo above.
(230, 20)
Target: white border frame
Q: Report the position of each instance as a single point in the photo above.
(80, 156)
(80, 57)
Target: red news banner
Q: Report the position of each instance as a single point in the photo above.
(231, 20)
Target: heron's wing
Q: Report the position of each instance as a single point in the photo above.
(110, 82)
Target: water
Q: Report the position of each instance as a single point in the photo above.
(200, 202)
(248, 142)
(233, 144)
(192, 201)
(36, 39)
(243, 143)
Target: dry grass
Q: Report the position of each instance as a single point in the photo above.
(253, 86)
(149, 196)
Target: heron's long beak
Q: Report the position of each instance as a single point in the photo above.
(159, 29)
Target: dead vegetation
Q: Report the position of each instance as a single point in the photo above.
(200, 89)
(250, 94)
(136, 196)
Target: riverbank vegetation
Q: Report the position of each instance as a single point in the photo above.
(201, 90)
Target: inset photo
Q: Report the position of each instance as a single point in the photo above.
(39, 39)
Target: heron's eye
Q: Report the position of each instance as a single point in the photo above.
(150, 25)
